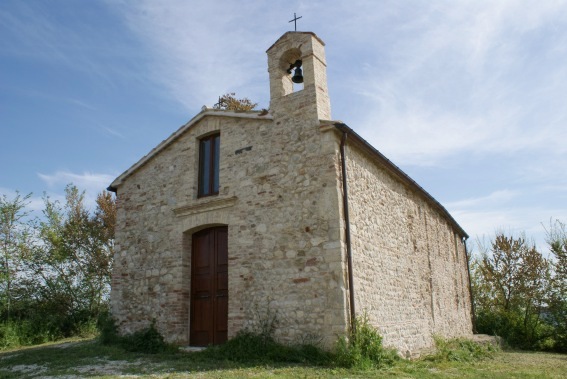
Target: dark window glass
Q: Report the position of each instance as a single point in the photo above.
(216, 156)
(209, 154)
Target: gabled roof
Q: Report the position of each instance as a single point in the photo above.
(396, 171)
(205, 112)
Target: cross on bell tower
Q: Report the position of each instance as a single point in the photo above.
(295, 18)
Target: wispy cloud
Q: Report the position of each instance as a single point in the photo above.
(427, 83)
(497, 197)
(34, 204)
(34, 31)
(202, 49)
(111, 132)
(36, 34)
(85, 180)
(471, 77)
(509, 211)
(91, 183)
(427, 80)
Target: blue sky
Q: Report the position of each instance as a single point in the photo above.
(468, 97)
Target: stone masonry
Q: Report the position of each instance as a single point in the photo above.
(410, 264)
(281, 198)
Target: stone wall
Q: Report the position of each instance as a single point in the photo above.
(410, 272)
(278, 196)
(281, 198)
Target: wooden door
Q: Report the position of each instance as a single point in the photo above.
(209, 287)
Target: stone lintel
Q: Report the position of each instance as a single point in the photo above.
(211, 205)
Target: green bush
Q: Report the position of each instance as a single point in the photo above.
(519, 331)
(257, 344)
(108, 331)
(460, 350)
(24, 333)
(9, 336)
(148, 340)
(254, 347)
(362, 348)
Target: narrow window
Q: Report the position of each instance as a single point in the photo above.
(209, 154)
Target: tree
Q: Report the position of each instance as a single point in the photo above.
(54, 270)
(230, 103)
(72, 262)
(511, 284)
(557, 240)
(13, 236)
(103, 226)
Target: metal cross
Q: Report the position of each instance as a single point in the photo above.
(295, 18)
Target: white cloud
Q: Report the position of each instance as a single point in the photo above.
(424, 82)
(86, 180)
(436, 78)
(36, 32)
(472, 78)
(91, 183)
(203, 49)
(111, 132)
(33, 204)
(506, 211)
(497, 197)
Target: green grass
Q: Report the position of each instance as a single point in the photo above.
(88, 358)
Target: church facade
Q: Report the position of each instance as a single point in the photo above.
(243, 218)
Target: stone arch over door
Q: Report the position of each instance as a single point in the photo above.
(189, 224)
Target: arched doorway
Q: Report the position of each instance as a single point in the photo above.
(209, 287)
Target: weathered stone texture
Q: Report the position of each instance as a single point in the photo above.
(281, 198)
(410, 272)
(312, 103)
(279, 201)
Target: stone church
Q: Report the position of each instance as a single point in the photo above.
(242, 218)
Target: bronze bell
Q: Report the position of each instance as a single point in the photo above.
(297, 76)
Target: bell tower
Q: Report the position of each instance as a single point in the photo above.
(302, 51)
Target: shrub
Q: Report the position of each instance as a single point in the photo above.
(147, 340)
(511, 326)
(362, 348)
(258, 344)
(108, 331)
(9, 336)
(460, 350)
(250, 346)
(24, 333)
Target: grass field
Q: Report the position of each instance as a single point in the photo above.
(87, 358)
